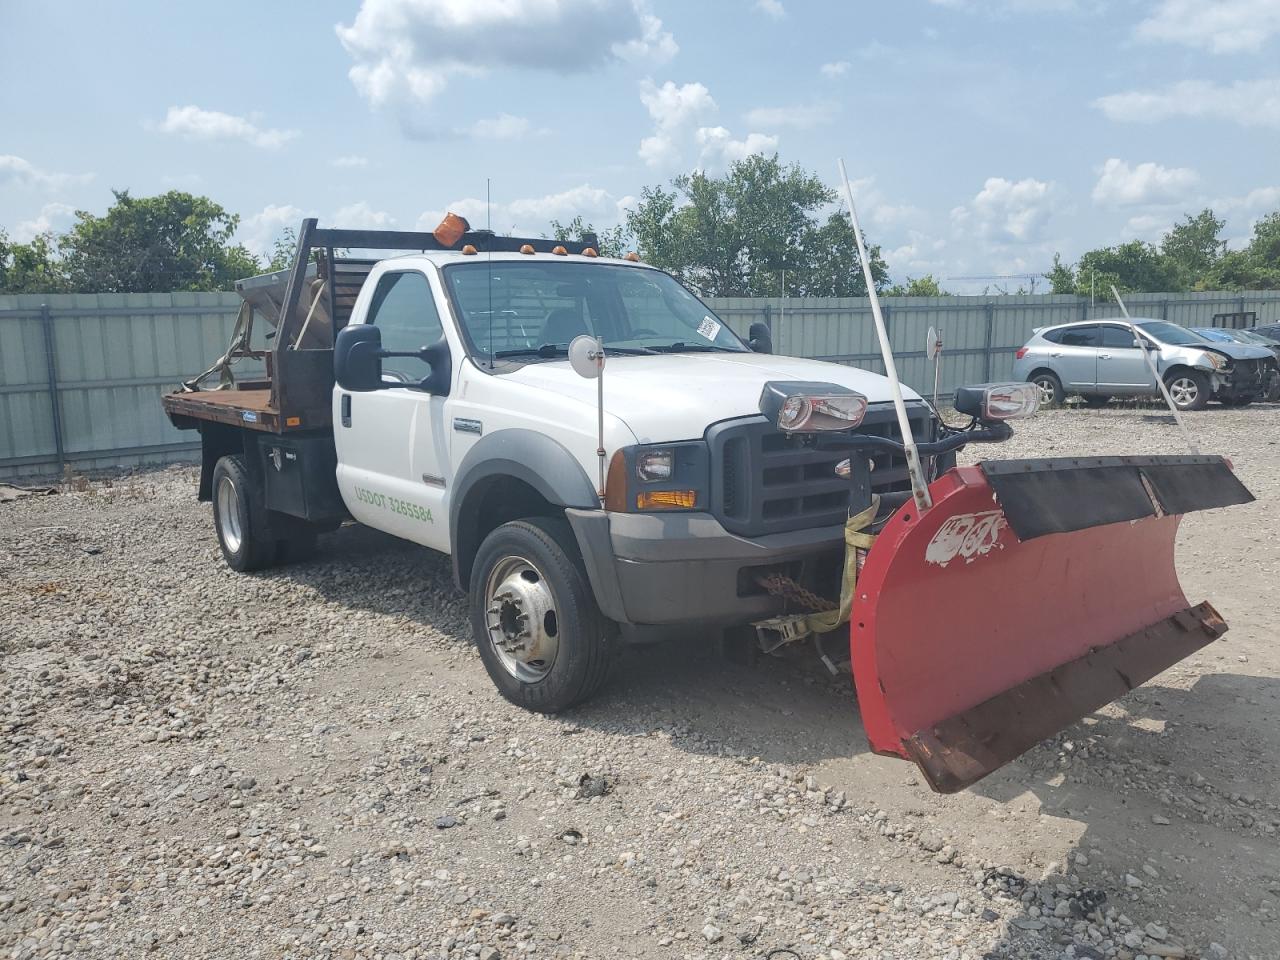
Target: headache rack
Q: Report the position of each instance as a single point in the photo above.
(307, 304)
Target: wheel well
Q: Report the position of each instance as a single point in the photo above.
(489, 504)
(1179, 368)
(217, 440)
(1039, 370)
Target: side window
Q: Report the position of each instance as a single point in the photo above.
(1077, 336)
(1120, 338)
(404, 309)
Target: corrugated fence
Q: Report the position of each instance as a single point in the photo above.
(81, 374)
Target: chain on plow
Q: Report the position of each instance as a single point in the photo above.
(824, 615)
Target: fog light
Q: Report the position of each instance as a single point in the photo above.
(666, 499)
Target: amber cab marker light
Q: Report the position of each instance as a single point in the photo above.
(632, 256)
(560, 251)
(590, 252)
(468, 251)
(527, 249)
(666, 499)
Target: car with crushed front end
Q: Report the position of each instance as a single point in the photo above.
(1248, 337)
(1100, 359)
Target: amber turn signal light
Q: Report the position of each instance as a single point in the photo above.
(666, 499)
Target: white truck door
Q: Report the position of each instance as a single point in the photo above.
(392, 444)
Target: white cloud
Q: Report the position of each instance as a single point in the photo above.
(1008, 211)
(1220, 26)
(1258, 200)
(675, 110)
(352, 160)
(1250, 103)
(411, 49)
(1146, 226)
(53, 218)
(1121, 185)
(832, 70)
(802, 116)
(999, 7)
(195, 123)
(772, 8)
(23, 173)
(531, 216)
(361, 216)
(260, 231)
(719, 149)
(504, 126)
(681, 117)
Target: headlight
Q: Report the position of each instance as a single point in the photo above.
(654, 466)
(998, 401)
(1218, 361)
(796, 409)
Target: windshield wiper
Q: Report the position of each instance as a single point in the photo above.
(682, 347)
(547, 351)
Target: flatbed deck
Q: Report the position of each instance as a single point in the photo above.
(242, 408)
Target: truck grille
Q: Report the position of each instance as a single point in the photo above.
(764, 481)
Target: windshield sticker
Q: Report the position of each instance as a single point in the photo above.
(709, 328)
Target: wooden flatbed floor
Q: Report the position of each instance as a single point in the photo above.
(242, 408)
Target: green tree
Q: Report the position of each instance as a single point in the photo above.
(31, 267)
(1194, 246)
(1061, 277)
(611, 242)
(283, 250)
(1257, 266)
(926, 286)
(739, 234)
(1134, 267)
(175, 241)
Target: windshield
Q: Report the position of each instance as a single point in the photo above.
(1171, 334)
(534, 310)
(1220, 336)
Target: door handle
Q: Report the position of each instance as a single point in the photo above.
(1104, 356)
(346, 409)
(1055, 353)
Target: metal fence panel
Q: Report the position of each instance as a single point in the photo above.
(115, 354)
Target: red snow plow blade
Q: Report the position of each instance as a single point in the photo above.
(1031, 594)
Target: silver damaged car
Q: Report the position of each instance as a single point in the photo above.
(1100, 359)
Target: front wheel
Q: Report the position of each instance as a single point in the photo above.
(1189, 389)
(542, 639)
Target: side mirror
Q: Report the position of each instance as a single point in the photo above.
(358, 355)
(357, 358)
(761, 338)
(440, 379)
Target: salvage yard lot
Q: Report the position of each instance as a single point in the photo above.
(312, 762)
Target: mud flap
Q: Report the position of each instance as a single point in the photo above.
(1031, 594)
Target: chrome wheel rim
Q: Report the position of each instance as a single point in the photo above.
(1046, 391)
(522, 622)
(229, 527)
(1184, 391)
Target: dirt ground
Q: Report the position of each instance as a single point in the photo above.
(311, 762)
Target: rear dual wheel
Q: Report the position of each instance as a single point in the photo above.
(246, 534)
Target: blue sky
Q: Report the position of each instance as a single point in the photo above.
(983, 134)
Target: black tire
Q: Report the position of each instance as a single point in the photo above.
(1051, 392)
(240, 517)
(584, 638)
(1188, 388)
(1096, 400)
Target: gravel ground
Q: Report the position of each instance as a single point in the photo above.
(311, 762)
